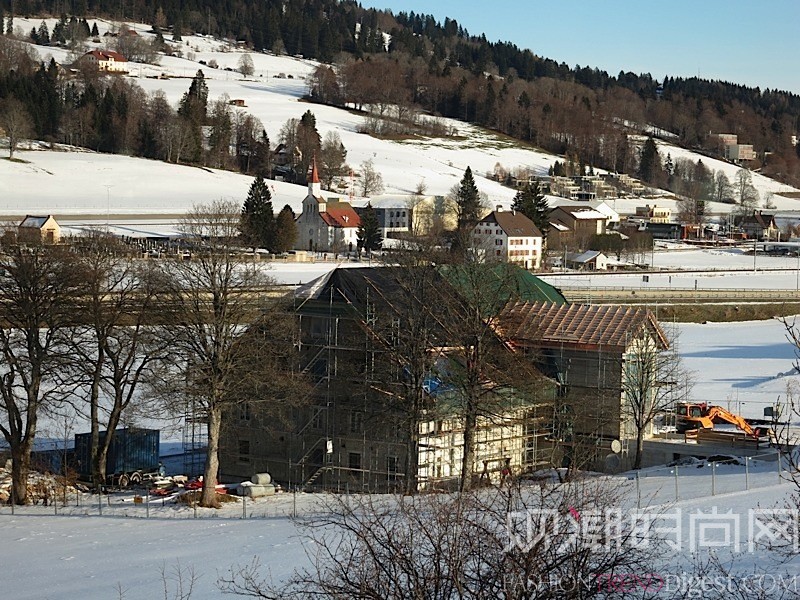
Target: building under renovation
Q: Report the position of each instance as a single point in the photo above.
(357, 430)
(387, 366)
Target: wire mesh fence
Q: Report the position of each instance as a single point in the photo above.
(142, 505)
(694, 478)
(686, 480)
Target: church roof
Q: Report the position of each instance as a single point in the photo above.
(340, 214)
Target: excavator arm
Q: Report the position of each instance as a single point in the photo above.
(717, 413)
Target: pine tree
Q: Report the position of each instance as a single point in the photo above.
(194, 103)
(468, 202)
(285, 230)
(532, 203)
(95, 31)
(308, 142)
(369, 232)
(650, 162)
(257, 224)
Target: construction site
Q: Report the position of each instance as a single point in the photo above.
(355, 433)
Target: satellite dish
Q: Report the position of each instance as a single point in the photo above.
(616, 447)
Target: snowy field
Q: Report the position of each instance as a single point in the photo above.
(47, 557)
(743, 366)
(81, 183)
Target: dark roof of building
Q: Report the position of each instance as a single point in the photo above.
(34, 221)
(340, 214)
(513, 223)
(353, 286)
(577, 325)
(760, 219)
(582, 257)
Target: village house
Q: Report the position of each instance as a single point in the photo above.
(759, 226)
(326, 224)
(38, 230)
(106, 60)
(591, 260)
(354, 433)
(509, 236)
(654, 214)
(404, 214)
(573, 227)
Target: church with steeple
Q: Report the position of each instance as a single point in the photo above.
(326, 224)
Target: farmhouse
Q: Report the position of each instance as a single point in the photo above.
(106, 60)
(598, 355)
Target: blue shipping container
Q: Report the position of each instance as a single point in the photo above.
(131, 450)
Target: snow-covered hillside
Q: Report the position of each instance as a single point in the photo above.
(63, 183)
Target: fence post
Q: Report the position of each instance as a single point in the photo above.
(100, 502)
(677, 495)
(244, 507)
(746, 473)
(713, 478)
(638, 492)
(13, 500)
(147, 499)
(779, 465)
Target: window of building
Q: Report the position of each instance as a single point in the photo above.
(356, 421)
(244, 452)
(391, 464)
(354, 460)
(245, 411)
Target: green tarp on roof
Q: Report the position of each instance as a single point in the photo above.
(501, 281)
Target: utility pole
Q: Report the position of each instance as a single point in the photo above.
(108, 204)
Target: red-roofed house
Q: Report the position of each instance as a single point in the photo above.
(326, 224)
(107, 60)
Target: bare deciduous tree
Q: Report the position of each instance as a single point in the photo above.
(38, 288)
(371, 181)
(332, 156)
(215, 296)
(16, 122)
(512, 543)
(653, 379)
(245, 66)
(117, 349)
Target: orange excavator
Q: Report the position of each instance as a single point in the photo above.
(702, 416)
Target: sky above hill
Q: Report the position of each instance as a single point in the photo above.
(731, 40)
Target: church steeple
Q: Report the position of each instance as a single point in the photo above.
(313, 181)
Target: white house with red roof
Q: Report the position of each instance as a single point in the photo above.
(326, 224)
(107, 60)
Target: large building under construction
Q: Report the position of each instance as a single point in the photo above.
(374, 422)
